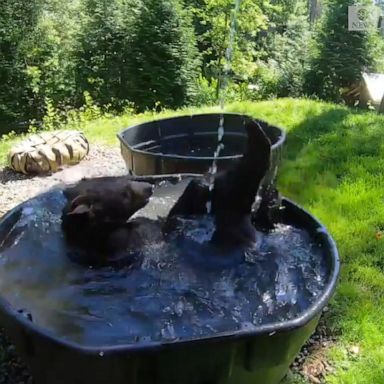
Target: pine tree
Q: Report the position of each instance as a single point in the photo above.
(163, 59)
(49, 55)
(103, 50)
(339, 55)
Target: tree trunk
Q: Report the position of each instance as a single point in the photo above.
(220, 58)
(314, 10)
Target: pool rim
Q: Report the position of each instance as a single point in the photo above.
(131, 148)
(267, 329)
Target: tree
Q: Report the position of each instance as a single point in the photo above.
(314, 10)
(103, 50)
(340, 56)
(163, 59)
(216, 16)
(289, 53)
(17, 22)
(49, 55)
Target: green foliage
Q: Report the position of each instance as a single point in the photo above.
(17, 22)
(163, 57)
(54, 52)
(49, 55)
(103, 51)
(56, 55)
(279, 11)
(339, 55)
(214, 23)
(290, 53)
(205, 92)
(56, 118)
(266, 82)
(52, 118)
(283, 52)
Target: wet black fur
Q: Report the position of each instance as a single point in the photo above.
(106, 235)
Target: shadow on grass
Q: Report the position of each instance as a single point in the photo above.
(312, 128)
(334, 165)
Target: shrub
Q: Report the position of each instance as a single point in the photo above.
(206, 92)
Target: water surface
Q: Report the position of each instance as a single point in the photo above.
(184, 289)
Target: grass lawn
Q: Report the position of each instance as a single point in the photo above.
(334, 166)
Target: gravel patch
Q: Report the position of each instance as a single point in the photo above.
(16, 187)
(12, 369)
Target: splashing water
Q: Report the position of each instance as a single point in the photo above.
(182, 290)
(223, 86)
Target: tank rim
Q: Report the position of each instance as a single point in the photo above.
(269, 329)
(120, 136)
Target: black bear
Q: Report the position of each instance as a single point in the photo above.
(233, 195)
(97, 215)
(97, 211)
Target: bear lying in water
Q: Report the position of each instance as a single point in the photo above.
(97, 216)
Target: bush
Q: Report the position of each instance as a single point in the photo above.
(206, 92)
(266, 82)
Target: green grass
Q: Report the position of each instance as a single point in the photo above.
(334, 166)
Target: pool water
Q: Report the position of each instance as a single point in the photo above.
(183, 288)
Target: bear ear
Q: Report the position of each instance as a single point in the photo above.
(80, 210)
(80, 205)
